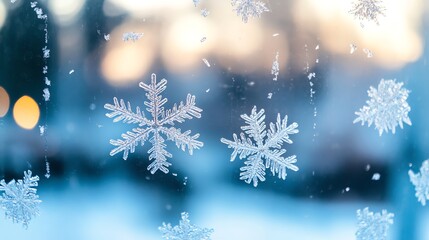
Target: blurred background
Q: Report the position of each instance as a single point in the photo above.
(91, 195)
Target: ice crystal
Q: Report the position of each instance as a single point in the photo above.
(46, 94)
(157, 126)
(131, 36)
(185, 230)
(204, 12)
(255, 149)
(373, 226)
(387, 107)
(19, 199)
(421, 182)
(275, 67)
(249, 8)
(368, 10)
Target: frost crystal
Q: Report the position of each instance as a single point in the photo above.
(373, 226)
(249, 8)
(204, 12)
(46, 94)
(421, 182)
(275, 68)
(156, 126)
(196, 2)
(131, 36)
(255, 150)
(185, 230)
(387, 107)
(19, 199)
(368, 10)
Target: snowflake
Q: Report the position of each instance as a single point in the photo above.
(368, 10)
(255, 149)
(421, 182)
(275, 67)
(387, 107)
(131, 36)
(20, 200)
(373, 226)
(249, 8)
(157, 126)
(185, 230)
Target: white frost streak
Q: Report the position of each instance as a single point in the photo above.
(131, 36)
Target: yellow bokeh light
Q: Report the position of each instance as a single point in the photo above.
(4, 102)
(26, 112)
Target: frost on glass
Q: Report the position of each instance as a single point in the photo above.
(19, 199)
(249, 8)
(421, 182)
(368, 10)
(373, 226)
(275, 68)
(387, 107)
(185, 230)
(131, 36)
(162, 123)
(262, 148)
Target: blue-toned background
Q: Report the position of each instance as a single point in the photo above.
(91, 195)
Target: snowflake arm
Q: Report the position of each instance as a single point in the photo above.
(156, 101)
(184, 139)
(185, 230)
(421, 182)
(249, 8)
(373, 226)
(158, 154)
(182, 112)
(387, 107)
(129, 141)
(19, 199)
(259, 154)
(368, 10)
(123, 112)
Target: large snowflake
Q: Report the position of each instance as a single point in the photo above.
(185, 230)
(157, 126)
(387, 107)
(421, 182)
(262, 148)
(19, 199)
(368, 10)
(373, 226)
(249, 8)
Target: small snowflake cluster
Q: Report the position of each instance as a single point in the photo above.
(373, 226)
(131, 36)
(263, 148)
(421, 182)
(185, 230)
(368, 10)
(249, 8)
(387, 107)
(19, 199)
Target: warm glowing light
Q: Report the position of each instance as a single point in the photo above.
(26, 112)
(66, 11)
(4, 102)
(3, 14)
(125, 63)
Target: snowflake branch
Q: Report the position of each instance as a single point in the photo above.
(130, 141)
(183, 140)
(279, 133)
(254, 170)
(159, 154)
(156, 101)
(184, 111)
(256, 125)
(243, 146)
(123, 112)
(279, 164)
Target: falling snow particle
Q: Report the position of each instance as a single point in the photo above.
(368, 53)
(376, 177)
(185, 181)
(174, 174)
(204, 12)
(203, 39)
(208, 90)
(131, 36)
(196, 2)
(46, 94)
(421, 182)
(47, 82)
(372, 225)
(185, 230)
(387, 107)
(71, 71)
(46, 52)
(270, 95)
(275, 68)
(262, 148)
(275, 34)
(347, 189)
(42, 130)
(107, 37)
(317, 47)
(163, 122)
(45, 70)
(249, 8)
(353, 48)
(310, 76)
(206, 62)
